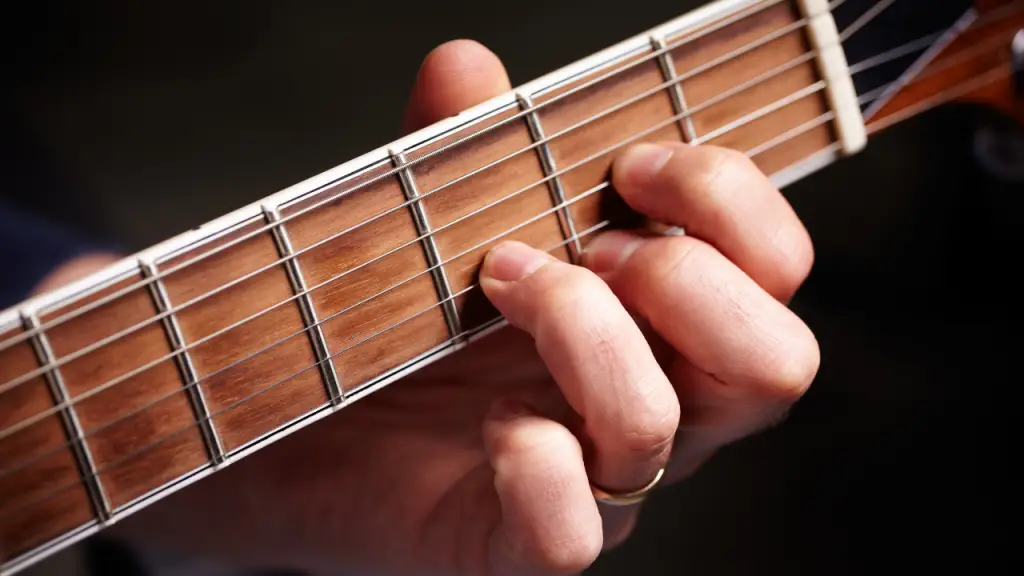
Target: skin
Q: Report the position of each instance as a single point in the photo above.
(656, 353)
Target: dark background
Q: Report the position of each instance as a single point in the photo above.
(133, 121)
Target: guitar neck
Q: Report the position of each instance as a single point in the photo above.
(132, 383)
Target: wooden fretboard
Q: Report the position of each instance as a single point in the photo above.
(140, 379)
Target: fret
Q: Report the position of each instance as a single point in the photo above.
(835, 71)
(335, 392)
(183, 359)
(668, 72)
(41, 492)
(263, 372)
(365, 273)
(469, 206)
(69, 416)
(259, 371)
(739, 121)
(444, 290)
(640, 74)
(547, 162)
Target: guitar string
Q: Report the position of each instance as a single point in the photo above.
(99, 471)
(939, 66)
(547, 212)
(865, 18)
(96, 390)
(161, 315)
(524, 112)
(694, 110)
(989, 77)
(807, 56)
(796, 131)
(632, 138)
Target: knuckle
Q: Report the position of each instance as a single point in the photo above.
(673, 257)
(569, 300)
(653, 431)
(717, 166)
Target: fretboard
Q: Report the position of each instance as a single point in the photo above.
(151, 374)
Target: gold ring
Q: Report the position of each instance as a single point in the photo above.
(629, 498)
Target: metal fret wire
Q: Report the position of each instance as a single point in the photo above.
(675, 82)
(667, 122)
(824, 118)
(521, 114)
(864, 65)
(448, 341)
(805, 57)
(966, 86)
(105, 386)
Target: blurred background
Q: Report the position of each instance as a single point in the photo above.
(133, 121)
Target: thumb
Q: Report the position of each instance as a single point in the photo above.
(455, 76)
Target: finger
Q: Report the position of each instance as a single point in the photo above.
(597, 355)
(549, 519)
(756, 351)
(720, 196)
(455, 76)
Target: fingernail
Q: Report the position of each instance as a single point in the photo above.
(641, 162)
(512, 261)
(508, 408)
(608, 251)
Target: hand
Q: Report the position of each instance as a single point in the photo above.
(666, 349)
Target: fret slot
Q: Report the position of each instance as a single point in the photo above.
(214, 447)
(547, 162)
(335, 392)
(437, 272)
(248, 341)
(69, 418)
(675, 89)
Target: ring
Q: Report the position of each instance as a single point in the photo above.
(629, 498)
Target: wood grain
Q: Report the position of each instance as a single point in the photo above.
(248, 373)
(746, 67)
(465, 243)
(41, 494)
(359, 300)
(373, 292)
(597, 135)
(142, 431)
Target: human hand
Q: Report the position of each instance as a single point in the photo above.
(666, 349)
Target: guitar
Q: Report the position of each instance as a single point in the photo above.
(128, 385)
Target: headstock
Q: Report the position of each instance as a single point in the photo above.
(965, 55)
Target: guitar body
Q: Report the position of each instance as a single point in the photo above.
(157, 372)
